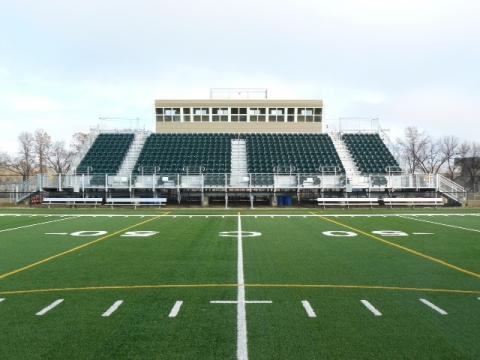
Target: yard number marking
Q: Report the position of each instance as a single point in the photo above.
(389, 233)
(93, 233)
(89, 233)
(242, 233)
(139, 233)
(340, 233)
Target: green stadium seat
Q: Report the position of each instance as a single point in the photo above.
(370, 154)
(106, 154)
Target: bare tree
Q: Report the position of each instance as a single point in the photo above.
(42, 145)
(414, 149)
(24, 163)
(59, 157)
(471, 166)
(79, 140)
(450, 148)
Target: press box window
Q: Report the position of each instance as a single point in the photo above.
(220, 114)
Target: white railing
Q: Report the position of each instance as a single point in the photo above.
(451, 189)
(223, 182)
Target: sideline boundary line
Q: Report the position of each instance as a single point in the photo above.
(442, 224)
(36, 224)
(272, 215)
(76, 248)
(264, 286)
(404, 248)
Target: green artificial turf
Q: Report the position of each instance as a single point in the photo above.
(187, 260)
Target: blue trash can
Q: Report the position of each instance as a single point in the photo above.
(288, 201)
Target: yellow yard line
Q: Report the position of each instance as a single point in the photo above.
(401, 247)
(362, 287)
(53, 257)
(262, 286)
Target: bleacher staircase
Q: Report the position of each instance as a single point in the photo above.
(238, 163)
(133, 153)
(351, 170)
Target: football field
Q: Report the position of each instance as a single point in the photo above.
(192, 284)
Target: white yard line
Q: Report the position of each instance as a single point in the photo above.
(308, 308)
(246, 302)
(370, 307)
(2, 299)
(31, 225)
(49, 307)
(442, 224)
(434, 307)
(112, 308)
(384, 215)
(175, 310)
(242, 346)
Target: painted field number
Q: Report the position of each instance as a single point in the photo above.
(139, 233)
(93, 233)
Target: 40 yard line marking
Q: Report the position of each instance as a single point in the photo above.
(53, 257)
(401, 247)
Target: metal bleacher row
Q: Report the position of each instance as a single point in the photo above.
(305, 153)
(211, 153)
(370, 154)
(106, 154)
(182, 153)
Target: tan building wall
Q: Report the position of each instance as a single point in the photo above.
(237, 127)
(238, 103)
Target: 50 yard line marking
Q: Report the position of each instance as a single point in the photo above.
(66, 252)
(242, 345)
(401, 247)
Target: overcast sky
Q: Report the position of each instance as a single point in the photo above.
(64, 64)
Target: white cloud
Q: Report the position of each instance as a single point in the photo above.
(64, 64)
(32, 103)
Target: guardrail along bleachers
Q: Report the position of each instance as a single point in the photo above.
(301, 153)
(370, 154)
(179, 153)
(106, 154)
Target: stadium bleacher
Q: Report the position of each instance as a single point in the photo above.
(106, 154)
(182, 153)
(266, 153)
(370, 154)
(210, 153)
(303, 153)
